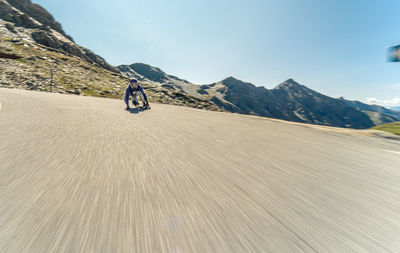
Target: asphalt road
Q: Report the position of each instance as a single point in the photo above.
(81, 174)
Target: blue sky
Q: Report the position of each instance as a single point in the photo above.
(335, 47)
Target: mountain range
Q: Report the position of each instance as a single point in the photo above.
(395, 108)
(378, 114)
(33, 43)
(288, 100)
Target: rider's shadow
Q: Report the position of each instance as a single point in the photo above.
(135, 110)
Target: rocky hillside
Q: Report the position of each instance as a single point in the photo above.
(288, 101)
(29, 49)
(378, 114)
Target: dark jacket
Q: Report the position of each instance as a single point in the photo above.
(129, 92)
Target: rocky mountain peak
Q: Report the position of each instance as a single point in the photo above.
(232, 82)
(151, 73)
(144, 71)
(290, 84)
(231, 79)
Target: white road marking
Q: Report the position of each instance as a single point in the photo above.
(392, 151)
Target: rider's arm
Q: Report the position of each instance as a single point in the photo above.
(127, 96)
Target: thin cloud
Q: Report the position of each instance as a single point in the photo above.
(386, 103)
(395, 86)
(385, 85)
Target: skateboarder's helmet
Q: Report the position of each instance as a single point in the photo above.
(133, 82)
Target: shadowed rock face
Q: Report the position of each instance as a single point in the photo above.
(9, 56)
(48, 39)
(9, 14)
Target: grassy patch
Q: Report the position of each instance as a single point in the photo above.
(393, 128)
(90, 93)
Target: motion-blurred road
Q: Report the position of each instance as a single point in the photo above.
(81, 174)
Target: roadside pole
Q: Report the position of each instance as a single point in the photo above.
(51, 80)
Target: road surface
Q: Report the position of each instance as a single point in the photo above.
(81, 174)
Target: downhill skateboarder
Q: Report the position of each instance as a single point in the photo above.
(134, 89)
